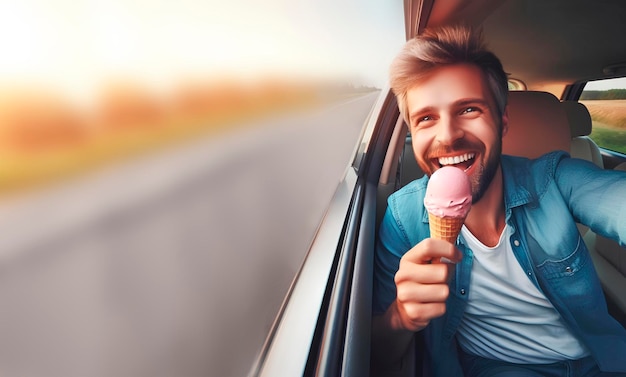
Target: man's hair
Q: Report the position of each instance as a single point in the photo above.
(442, 46)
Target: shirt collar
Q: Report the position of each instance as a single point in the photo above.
(517, 180)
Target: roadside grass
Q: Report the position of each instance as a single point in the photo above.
(609, 123)
(609, 137)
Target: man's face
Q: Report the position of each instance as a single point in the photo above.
(454, 121)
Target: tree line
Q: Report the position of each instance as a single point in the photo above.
(603, 94)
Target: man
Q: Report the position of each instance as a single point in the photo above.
(520, 296)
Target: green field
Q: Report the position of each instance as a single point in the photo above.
(609, 137)
(609, 123)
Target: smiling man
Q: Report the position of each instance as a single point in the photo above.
(521, 297)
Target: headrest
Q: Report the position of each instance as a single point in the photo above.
(537, 125)
(578, 117)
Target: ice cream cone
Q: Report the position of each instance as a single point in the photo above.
(445, 228)
(448, 200)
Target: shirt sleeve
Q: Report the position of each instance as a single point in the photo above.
(392, 243)
(596, 197)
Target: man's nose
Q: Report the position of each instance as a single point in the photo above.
(448, 130)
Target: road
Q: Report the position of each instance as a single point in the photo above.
(173, 264)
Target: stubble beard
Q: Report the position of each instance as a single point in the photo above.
(486, 171)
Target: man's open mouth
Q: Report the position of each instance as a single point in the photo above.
(463, 161)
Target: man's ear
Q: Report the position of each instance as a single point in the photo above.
(505, 120)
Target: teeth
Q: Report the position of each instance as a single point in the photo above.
(456, 159)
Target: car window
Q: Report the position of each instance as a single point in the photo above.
(606, 101)
(515, 84)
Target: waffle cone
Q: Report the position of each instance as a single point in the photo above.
(445, 228)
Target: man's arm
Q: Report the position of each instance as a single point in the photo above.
(389, 343)
(596, 197)
(422, 290)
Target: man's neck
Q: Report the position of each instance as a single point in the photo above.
(486, 219)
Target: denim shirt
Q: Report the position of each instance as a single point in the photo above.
(544, 198)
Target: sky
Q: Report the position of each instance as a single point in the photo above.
(75, 45)
(619, 83)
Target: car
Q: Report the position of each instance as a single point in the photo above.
(558, 54)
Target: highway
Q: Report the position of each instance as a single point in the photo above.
(175, 263)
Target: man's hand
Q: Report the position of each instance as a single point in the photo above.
(422, 284)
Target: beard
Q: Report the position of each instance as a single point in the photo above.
(485, 172)
(485, 169)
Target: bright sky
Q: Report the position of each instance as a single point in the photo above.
(75, 44)
(619, 83)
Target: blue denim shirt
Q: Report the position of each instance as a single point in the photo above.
(544, 198)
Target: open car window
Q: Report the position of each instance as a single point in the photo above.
(606, 102)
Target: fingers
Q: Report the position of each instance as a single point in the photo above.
(416, 317)
(423, 293)
(431, 249)
(422, 286)
(418, 302)
(423, 273)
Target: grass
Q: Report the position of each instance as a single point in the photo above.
(609, 123)
(609, 137)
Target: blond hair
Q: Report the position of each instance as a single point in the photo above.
(442, 46)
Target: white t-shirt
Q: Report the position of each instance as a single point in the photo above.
(507, 318)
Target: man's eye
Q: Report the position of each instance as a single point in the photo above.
(469, 110)
(422, 121)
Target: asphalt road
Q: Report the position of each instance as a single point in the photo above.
(173, 264)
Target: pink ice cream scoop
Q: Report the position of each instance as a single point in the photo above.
(449, 193)
(448, 200)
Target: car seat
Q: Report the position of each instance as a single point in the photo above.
(608, 256)
(582, 146)
(537, 125)
(609, 259)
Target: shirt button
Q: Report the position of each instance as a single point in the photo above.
(463, 291)
(516, 242)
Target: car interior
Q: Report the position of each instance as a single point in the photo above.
(538, 123)
(551, 50)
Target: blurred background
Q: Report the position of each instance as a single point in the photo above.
(164, 166)
(76, 78)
